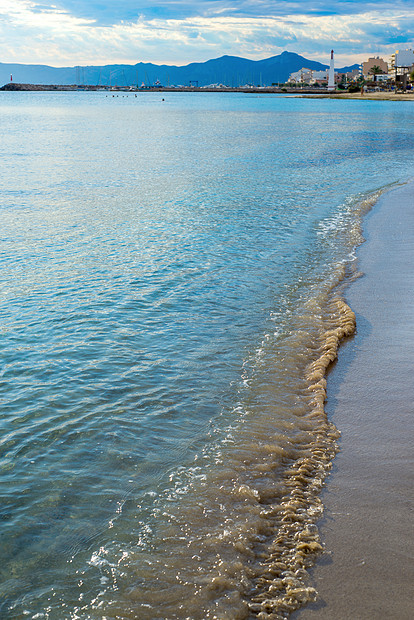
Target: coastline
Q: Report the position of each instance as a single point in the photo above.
(305, 93)
(367, 525)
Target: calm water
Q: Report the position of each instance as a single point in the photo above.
(169, 271)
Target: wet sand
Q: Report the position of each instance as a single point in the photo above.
(368, 570)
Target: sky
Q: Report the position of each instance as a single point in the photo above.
(177, 32)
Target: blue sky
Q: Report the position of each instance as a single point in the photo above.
(72, 32)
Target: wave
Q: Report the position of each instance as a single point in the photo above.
(234, 533)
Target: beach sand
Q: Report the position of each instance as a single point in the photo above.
(368, 526)
(381, 96)
(378, 96)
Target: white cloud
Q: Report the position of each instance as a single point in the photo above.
(26, 13)
(34, 34)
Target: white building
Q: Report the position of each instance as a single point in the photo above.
(308, 76)
(404, 58)
(320, 75)
(402, 61)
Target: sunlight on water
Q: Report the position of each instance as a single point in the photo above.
(170, 274)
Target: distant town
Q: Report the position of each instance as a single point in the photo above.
(397, 72)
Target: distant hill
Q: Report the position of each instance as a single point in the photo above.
(229, 70)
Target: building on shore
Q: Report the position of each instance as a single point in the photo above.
(401, 65)
(375, 70)
(352, 76)
(308, 76)
(374, 66)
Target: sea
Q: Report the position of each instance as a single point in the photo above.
(173, 275)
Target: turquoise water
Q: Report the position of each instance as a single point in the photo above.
(164, 269)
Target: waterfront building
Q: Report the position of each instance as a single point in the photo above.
(402, 62)
(352, 76)
(302, 76)
(401, 65)
(308, 76)
(369, 64)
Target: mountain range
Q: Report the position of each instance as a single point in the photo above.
(229, 70)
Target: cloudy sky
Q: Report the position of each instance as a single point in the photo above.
(92, 32)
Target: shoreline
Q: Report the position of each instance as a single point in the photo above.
(368, 96)
(366, 571)
(306, 93)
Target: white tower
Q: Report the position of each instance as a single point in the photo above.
(331, 77)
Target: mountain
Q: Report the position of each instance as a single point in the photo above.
(229, 70)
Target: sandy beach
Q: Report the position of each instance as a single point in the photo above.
(367, 572)
(374, 96)
(379, 96)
